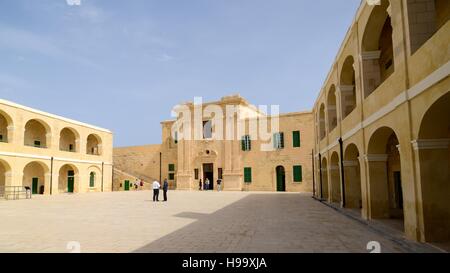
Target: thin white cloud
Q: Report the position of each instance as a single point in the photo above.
(18, 39)
(9, 83)
(165, 58)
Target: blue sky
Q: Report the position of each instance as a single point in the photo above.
(123, 64)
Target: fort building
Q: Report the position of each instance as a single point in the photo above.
(49, 154)
(382, 119)
(241, 158)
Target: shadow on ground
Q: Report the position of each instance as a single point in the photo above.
(275, 223)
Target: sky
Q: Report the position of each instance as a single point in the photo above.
(124, 64)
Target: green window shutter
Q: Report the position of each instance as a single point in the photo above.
(171, 167)
(296, 139)
(282, 140)
(246, 143)
(92, 180)
(298, 174)
(247, 175)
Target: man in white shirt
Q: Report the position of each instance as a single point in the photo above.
(156, 187)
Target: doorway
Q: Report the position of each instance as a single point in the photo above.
(208, 173)
(35, 185)
(70, 181)
(281, 179)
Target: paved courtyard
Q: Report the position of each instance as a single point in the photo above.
(189, 222)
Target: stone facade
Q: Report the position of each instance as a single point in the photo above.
(221, 157)
(51, 154)
(382, 120)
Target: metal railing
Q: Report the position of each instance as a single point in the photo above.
(15, 192)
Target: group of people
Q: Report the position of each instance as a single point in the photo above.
(157, 187)
(208, 186)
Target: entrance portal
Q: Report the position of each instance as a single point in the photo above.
(208, 173)
(281, 179)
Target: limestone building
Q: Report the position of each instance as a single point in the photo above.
(51, 154)
(242, 159)
(382, 119)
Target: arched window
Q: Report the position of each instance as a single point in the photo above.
(94, 145)
(331, 107)
(5, 123)
(37, 134)
(377, 49)
(321, 121)
(347, 87)
(68, 140)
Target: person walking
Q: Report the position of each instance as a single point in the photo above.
(200, 185)
(156, 187)
(165, 189)
(219, 184)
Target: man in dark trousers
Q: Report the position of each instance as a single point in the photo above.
(156, 187)
(165, 189)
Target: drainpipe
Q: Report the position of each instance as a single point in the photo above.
(342, 170)
(103, 166)
(320, 173)
(313, 173)
(51, 176)
(112, 178)
(160, 166)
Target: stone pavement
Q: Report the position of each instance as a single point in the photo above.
(189, 222)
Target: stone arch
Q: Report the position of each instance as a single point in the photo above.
(332, 108)
(347, 87)
(5, 172)
(6, 123)
(69, 177)
(385, 179)
(335, 181)
(36, 177)
(377, 48)
(37, 134)
(69, 140)
(322, 130)
(352, 171)
(94, 145)
(433, 151)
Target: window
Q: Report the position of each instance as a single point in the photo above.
(298, 174)
(37, 143)
(296, 139)
(246, 143)
(220, 173)
(70, 147)
(248, 175)
(171, 171)
(92, 180)
(1, 138)
(278, 141)
(207, 129)
(195, 173)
